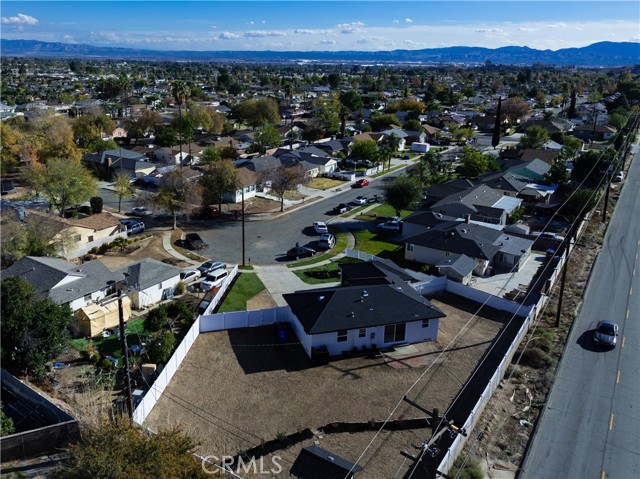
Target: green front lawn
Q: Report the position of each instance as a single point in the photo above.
(377, 244)
(325, 273)
(245, 287)
(384, 210)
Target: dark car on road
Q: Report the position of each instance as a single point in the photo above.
(341, 208)
(298, 252)
(606, 334)
(193, 241)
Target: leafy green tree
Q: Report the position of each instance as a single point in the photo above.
(122, 187)
(180, 311)
(122, 450)
(89, 128)
(365, 149)
(156, 319)
(413, 125)
(473, 163)
(62, 182)
(33, 331)
(534, 137)
(210, 155)
(334, 80)
(406, 104)
(380, 122)
(581, 202)
(35, 236)
(431, 168)
(267, 137)
(161, 346)
(178, 194)
(96, 204)
(218, 178)
(403, 192)
(6, 423)
(352, 100)
(166, 136)
(327, 113)
(558, 172)
(617, 120)
(590, 166)
(258, 112)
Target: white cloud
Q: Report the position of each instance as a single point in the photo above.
(264, 33)
(557, 25)
(350, 25)
(251, 22)
(396, 21)
(228, 36)
(525, 29)
(327, 42)
(303, 31)
(20, 19)
(489, 30)
(408, 20)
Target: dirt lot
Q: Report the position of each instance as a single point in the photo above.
(237, 389)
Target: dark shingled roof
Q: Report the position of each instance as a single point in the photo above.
(334, 309)
(149, 272)
(60, 280)
(313, 462)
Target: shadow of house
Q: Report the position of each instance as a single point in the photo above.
(313, 462)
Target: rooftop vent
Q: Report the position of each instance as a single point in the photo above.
(364, 294)
(320, 299)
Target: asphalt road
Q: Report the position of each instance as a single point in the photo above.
(267, 241)
(590, 426)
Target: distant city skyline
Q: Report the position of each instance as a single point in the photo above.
(322, 26)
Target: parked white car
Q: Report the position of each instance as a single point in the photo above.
(327, 241)
(320, 227)
(190, 275)
(213, 279)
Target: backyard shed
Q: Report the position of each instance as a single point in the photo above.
(94, 318)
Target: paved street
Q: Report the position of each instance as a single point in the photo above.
(590, 426)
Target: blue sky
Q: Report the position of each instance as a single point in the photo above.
(306, 25)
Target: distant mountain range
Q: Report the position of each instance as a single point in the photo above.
(604, 54)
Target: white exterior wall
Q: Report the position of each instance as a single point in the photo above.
(420, 147)
(434, 256)
(96, 297)
(153, 294)
(415, 333)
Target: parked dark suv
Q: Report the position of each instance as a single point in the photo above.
(194, 241)
(133, 226)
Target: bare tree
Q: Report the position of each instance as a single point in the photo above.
(283, 179)
(178, 194)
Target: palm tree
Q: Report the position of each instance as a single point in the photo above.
(181, 93)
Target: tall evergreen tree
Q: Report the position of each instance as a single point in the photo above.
(571, 112)
(495, 140)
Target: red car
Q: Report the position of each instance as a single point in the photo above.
(360, 183)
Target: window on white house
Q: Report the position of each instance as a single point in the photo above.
(342, 335)
(77, 238)
(362, 332)
(425, 323)
(409, 247)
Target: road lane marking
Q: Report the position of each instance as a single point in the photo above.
(618, 377)
(627, 314)
(611, 423)
(623, 341)
(602, 476)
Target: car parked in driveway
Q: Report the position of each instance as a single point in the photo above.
(213, 279)
(360, 200)
(193, 241)
(298, 252)
(341, 208)
(190, 275)
(133, 226)
(210, 265)
(360, 183)
(606, 334)
(320, 227)
(393, 225)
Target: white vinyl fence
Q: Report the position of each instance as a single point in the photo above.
(243, 319)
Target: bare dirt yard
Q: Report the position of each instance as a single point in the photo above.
(237, 389)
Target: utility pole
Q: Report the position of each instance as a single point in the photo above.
(125, 356)
(243, 247)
